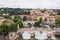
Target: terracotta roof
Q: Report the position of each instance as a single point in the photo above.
(29, 17)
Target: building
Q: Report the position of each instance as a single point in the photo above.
(1, 20)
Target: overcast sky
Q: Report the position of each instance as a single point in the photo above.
(55, 4)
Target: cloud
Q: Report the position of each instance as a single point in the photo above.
(30, 3)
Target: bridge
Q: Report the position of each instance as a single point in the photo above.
(32, 30)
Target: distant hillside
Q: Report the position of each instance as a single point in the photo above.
(57, 10)
(15, 11)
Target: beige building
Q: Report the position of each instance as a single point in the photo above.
(36, 14)
(1, 20)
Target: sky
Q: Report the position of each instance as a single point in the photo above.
(51, 4)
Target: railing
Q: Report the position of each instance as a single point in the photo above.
(38, 29)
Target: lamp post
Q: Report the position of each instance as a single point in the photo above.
(18, 26)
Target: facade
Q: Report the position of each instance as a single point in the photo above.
(36, 14)
(1, 20)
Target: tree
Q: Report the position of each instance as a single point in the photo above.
(1, 31)
(7, 17)
(37, 24)
(40, 20)
(13, 27)
(14, 11)
(20, 23)
(45, 19)
(18, 20)
(57, 21)
(5, 29)
(24, 18)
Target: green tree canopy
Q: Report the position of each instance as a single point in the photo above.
(24, 18)
(37, 24)
(40, 20)
(57, 21)
(14, 11)
(13, 27)
(17, 19)
(5, 29)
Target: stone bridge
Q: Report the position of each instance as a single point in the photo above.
(32, 30)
